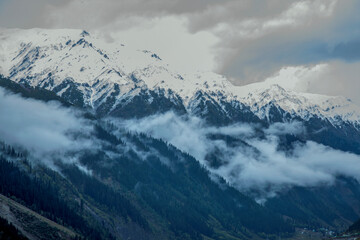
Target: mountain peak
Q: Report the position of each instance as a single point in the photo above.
(84, 33)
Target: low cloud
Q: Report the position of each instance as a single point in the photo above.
(47, 131)
(248, 157)
(254, 161)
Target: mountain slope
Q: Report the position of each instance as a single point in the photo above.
(32, 225)
(162, 184)
(132, 186)
(135, 184)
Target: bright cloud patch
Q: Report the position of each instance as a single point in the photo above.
(252, 162)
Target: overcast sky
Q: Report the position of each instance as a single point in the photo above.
(246, 40)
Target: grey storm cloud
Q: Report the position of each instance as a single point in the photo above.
(339, 78)
(91, 13)
(259, 166)
(256, 36)
(28, 14)
(203, 14)
(307, 32)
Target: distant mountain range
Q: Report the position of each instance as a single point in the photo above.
(106, 77)
(163, 190)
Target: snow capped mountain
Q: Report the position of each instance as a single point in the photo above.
(106, 76)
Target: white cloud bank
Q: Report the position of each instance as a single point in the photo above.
(253, 162)
(257, 165)
(47, 131)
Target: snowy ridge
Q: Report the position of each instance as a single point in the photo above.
(54, 58)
